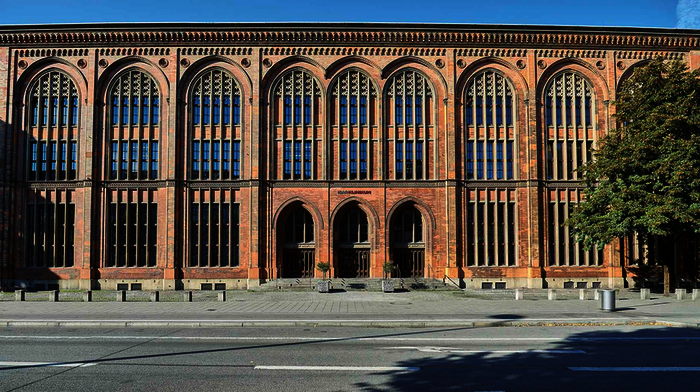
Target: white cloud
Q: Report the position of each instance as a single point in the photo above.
(688, 14)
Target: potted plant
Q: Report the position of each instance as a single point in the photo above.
(322, 285)
(387, 283)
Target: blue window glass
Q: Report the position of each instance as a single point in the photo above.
(115, 152)
(145, 110)
(548, 110)
(479, 160)
(74, 159)
(226, 155)
(217, 110)
(195, 159)
(154, 160)
(307, 110)
(499, 160)
(479, 111)
(205, 159)
(509, 111)
(44, 153)
(54, 111)
(343, 110)
(156, 110)
(489, 161)
(398, 109)
(135, 111)
(363, 160)
(125, 161)
(353, 160)
(409, 160)
(134, 159)
(297, 110)
(509, 160)
(115, 111)
(470, 160)
(363, 110)
(399, 160)
(353, 110)
(559, 116)
(287, 110)
(409, 110)
(419, 110)
(469, 115)
(307, 160)
(216, 159)
(144, 159)
(35, 111)
(227, 110)
(236, 159)
(196, 110)
(499, 111)
(236, 110)
(287, 159)
(64, 111)
(125, 110)
(343, 160)
(206, 102)
(489, 110)
(297, 159)
(419, 160)
(33, 167)
(45, 111)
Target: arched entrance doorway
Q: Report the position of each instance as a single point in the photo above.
(298, 245)
(352, 244)
(407, 243)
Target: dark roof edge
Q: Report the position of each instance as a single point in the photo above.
(341, 26)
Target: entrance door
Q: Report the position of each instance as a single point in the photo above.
(352, 244)
(298, 250)
(407, 245)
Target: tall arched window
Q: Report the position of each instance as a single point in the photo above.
(570, 125)
(353, 116)
(297, 127)
(298, 246)
(490, 127)
(411, 134)
(407, 243)
(52, 148)
(215, 123)
(134, 115)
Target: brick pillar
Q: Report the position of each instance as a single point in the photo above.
(531, 254)
(5, 159)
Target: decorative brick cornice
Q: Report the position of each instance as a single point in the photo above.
(349, 34)
(487, 52)
(646, 55)
(555, 53)
(344, 51)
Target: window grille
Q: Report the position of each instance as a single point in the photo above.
(490, 131)
(132, 229)
(491, 228)
(570, 125)
(52, 148)
(215, 127)
(298, 97)
(410, 131)
(50, 229)
(354, 102)
(563, 249)
(133, 150)
(214, 229)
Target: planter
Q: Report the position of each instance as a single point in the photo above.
(322, 286)
(388, 286)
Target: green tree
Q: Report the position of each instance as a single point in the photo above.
(645, 177)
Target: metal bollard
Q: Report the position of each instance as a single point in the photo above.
(645, 294)
(20, 295)
(87, 296)
(187, 296)
(551, 295)
(696, 294)
(681, 294)
(121, 295)
(222, 296)
(596, 295)
(608, 300)
(518, 294)
(155, 296)
(53, 296)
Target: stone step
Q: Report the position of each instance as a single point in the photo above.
(356, 284)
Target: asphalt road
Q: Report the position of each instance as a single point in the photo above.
(350, 359)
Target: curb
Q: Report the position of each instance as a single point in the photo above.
(332, 323)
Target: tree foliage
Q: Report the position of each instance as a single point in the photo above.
(645, 176)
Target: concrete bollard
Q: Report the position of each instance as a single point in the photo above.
(87, 296)
(645, 294)
(187, 297)
(596, 295)
(222, 296)
(53, 296)
(20, 295)
(696, 294)
(681, 294)
(155, 296)
(518, 294)
(551, 295)
(121, 295)
(582, 294)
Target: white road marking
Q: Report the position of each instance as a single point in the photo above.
(426, 349)
(342, 368)
(349, 338)
(309, 321)
(635, 369)
(41, 364)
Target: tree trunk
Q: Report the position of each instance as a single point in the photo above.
(667, 281)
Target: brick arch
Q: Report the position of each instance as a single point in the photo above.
(422, 207)
(430, 230)
(304, 203)
(351, 61)
(287, 64)
(147, 66)
(206, 63)
(505, 68)
(353, 67)
(428, 70)
(365, 206)
(600, 86)
(280, 217)
(628, 73)
(38, 68)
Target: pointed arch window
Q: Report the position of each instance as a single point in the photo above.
(411, 134)
(491, 127)
(215, 126)
(52, 147)
(570, 129)
(354, 116)
(134, 104)
(296, 125)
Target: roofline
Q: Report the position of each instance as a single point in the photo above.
(338, 26)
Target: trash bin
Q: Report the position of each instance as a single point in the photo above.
(608, 300)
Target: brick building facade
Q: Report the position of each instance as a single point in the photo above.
(176, 155)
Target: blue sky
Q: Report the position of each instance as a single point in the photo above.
(646, 13)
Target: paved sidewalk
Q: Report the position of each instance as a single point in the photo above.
(420, 308)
